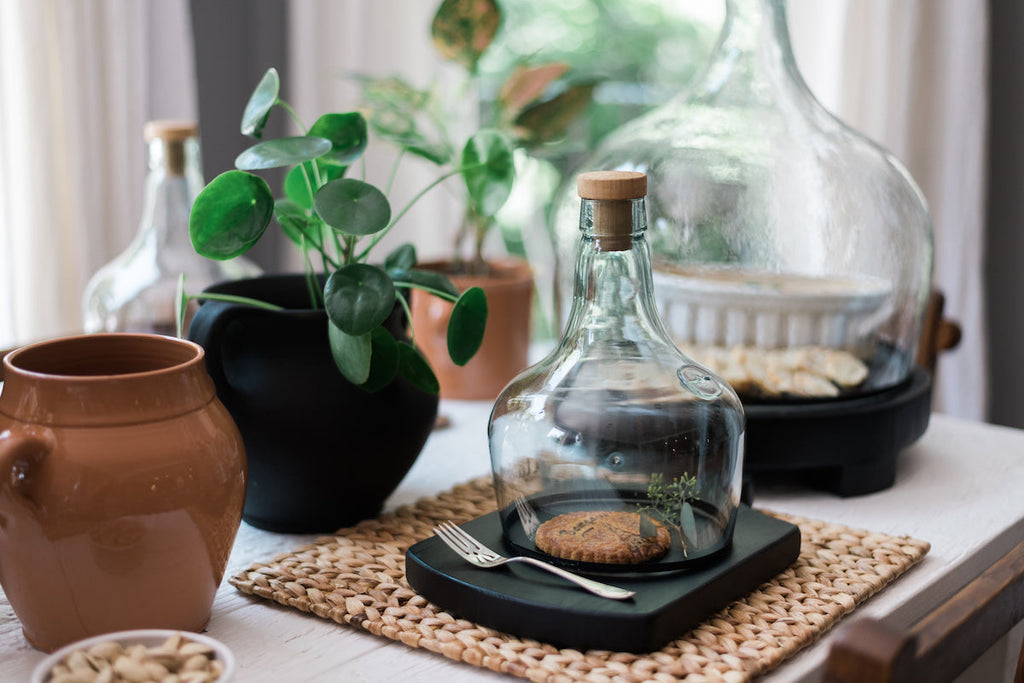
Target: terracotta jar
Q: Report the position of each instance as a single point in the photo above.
(122, 480)
(506, 346)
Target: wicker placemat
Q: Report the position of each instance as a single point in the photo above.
(358, 578)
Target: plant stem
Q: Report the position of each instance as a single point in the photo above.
(233, 299)
(408, 317)
(394, 170)
(380, 235)
(291, 112)
(440, 294)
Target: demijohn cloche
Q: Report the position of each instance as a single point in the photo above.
(136, 291)
(791, 254)
(616, 419)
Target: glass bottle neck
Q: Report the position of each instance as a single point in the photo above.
(613, 295)
(172, 183)
(753, 57)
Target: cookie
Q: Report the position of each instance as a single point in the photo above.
(606, 537)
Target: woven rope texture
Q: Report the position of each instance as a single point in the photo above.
(357, 577)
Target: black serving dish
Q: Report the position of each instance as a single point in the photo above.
(846, 445)
(532, 603)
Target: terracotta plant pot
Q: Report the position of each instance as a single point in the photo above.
(323, 453)
(506, 346)
(121, 486)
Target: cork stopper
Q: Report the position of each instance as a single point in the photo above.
(174, 133)
(612, 193)
(612, 185)
(172, 130)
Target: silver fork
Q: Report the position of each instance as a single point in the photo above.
(476, 553)
(527, 517)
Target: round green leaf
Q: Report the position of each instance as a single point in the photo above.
(353, 207)
(383, 360)
(415, 368)
(282, 152)
(466, 325)
(402, 258)
(351, 353)
(359, 297)
(297, 189)
(262, 100)
(347, 133)
(428, 279)
(230, 215)
(488, 169)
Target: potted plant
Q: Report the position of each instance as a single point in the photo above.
(333, 399)
(533, 107)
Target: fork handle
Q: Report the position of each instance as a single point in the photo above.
(595, 587)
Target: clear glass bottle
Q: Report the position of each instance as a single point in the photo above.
(781, 238)
(616, 413)
(135, 292)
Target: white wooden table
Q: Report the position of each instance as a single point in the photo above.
(961, 487)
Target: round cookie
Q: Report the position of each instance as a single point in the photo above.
(603, 536)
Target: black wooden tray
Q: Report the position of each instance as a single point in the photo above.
(532, 603)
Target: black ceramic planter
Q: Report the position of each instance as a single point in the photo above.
(322, 452)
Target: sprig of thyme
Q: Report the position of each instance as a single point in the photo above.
(670, 505)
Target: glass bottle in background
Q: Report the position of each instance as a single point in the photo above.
(136, 291)
(617, 418)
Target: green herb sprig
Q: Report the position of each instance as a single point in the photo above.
(670, 504)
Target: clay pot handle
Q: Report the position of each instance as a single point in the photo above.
(207, 329)
(21, 453)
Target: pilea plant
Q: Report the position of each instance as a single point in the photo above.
(534, 107)
(336, 221)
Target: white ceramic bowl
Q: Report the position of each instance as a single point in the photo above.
(724, 306)
(147, 637)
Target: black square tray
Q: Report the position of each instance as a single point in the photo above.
(532, 603)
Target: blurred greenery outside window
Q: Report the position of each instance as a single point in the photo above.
(638, 52)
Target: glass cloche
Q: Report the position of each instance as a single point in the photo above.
(616, 451)
(791, 255)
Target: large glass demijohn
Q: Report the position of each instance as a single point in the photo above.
(791, 254)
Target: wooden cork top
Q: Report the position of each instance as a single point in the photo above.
(172, 130)
(612, 193)
(612, 185)
(174, 133)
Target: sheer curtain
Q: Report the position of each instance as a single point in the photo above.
(329, 43)
(912, 75)
(77, 82)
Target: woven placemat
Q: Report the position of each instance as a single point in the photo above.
(357, 577)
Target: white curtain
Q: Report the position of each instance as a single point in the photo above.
(912, 75)
(332, 41)
(77, 82)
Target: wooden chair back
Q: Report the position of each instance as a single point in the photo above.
(944, 643)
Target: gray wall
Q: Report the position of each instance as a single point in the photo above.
(1004, 276)
(236, 41)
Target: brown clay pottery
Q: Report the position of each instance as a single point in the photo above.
(122, 480)
(506, 346)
